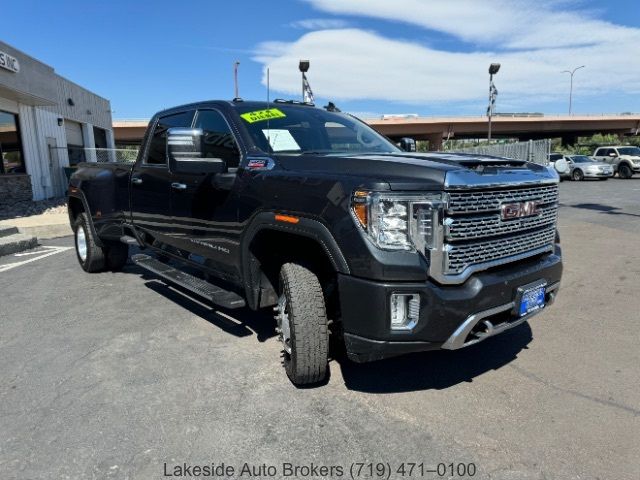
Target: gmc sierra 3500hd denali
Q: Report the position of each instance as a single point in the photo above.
(313, 213)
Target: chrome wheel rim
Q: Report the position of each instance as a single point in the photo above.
(284, 327)
(81, 243)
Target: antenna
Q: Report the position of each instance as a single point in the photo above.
(268, 107)
(235, 78)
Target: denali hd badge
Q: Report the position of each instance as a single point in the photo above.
(509, 211)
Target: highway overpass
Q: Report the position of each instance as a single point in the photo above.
(437, 129)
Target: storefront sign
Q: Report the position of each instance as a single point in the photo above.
(9, 63)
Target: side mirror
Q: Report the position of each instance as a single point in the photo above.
(407, 144)
(184, 151)
(613, 154)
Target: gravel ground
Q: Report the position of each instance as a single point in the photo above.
(27, 209)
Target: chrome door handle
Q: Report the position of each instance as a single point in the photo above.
(136, 181)
(178, 186)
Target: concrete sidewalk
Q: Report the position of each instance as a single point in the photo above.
(49, 225)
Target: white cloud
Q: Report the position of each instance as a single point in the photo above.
(319, 23)
(534, 42)
(511, 24)
(351, 64)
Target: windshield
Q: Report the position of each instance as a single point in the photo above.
(634, 151)
(581, 159)
(295, 130)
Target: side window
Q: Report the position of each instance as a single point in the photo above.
(157, 154)
(218, 141)
(603, 152)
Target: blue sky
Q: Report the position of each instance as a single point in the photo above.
(369, 56)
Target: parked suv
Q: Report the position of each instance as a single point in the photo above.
(624, 159)
(313, 214)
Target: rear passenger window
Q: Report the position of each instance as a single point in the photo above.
(157, 154)
(218, 141)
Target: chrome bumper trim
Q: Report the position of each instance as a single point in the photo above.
(457, 339)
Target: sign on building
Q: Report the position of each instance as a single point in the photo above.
(9, 63)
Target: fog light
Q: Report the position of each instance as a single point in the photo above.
(405, 310)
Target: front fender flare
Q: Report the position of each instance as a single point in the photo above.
(305, 227)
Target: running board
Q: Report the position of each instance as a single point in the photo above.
(127, 240)
(203, 289)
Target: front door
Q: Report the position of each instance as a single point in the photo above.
(203, 208)
(151, 183)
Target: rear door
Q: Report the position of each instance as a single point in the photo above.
(151, 181)
(204, 208)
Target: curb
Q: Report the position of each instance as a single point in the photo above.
(47, 231)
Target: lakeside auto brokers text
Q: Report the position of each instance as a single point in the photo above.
(382, 470)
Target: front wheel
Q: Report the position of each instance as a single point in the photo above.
(577, 175)
(302, 325)
(624, 171)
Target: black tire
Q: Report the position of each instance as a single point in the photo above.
(577, 175)
(624, 171)
(94, 256)
(117, 256)
(307, 316)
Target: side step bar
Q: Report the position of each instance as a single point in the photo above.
(195, 285)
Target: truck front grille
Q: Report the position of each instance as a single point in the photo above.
(476, 237)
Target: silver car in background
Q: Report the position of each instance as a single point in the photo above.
(581, 167)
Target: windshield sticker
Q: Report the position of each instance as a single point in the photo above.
(281, 140)
(260, 115)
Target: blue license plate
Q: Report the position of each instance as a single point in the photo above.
(532, 300)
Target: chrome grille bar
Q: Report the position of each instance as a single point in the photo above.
(474, 227)
(460, 257)
(486, 201)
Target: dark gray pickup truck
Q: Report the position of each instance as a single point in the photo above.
(315, 215)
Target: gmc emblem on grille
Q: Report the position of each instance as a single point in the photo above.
(509, 211)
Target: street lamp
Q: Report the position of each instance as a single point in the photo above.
(303, 66)
(571, 72)
(493, 93)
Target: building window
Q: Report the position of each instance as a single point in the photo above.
(10, 144)
(100, 137)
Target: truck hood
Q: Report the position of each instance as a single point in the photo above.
(428, 171)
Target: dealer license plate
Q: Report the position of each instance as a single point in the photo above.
(531, 300)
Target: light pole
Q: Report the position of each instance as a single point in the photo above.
(571, 72)
(303, 66)
(493, 93)
(235, 78)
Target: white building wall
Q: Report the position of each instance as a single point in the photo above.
(35, 126)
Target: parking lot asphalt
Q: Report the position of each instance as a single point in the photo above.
(114, 375)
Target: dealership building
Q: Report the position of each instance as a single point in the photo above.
(46, 123)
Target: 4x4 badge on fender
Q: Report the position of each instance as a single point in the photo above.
(509, 211)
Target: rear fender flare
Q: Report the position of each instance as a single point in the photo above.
(79, 194)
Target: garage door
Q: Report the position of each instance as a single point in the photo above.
(74, 133)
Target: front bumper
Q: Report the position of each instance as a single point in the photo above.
(447, 313)
(598, 174)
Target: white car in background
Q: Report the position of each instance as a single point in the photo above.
(625, 160)
(581, 167)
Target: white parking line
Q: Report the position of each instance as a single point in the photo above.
(45, 252)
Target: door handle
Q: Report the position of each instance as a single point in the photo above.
(136, 181)
(178, 186)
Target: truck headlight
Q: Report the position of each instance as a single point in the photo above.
(394, 221)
